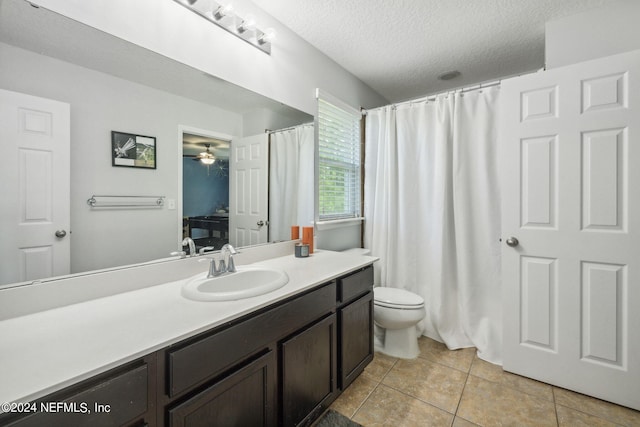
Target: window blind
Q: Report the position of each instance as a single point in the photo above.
(338, 162)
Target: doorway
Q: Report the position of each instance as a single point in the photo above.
(204, 187)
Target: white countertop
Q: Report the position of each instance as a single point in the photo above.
(49, 350)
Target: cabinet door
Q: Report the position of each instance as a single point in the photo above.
(356, 338)
(309, 372)
(117, 399)
(247, 397)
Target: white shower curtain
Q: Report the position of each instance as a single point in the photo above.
(432, 209)
(290, 181)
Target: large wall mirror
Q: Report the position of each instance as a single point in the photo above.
(112, 85)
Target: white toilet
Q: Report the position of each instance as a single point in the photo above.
(397, 312)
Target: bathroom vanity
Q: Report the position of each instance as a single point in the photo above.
(276, 359)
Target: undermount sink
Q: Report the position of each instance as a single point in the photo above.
(246, 282)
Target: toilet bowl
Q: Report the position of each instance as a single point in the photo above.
(397, 312)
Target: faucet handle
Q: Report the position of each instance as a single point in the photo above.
(222, 267)
(206, 249)
(213, 270)
(231, 268)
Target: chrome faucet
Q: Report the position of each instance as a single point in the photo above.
(192, 245)
(226, 265)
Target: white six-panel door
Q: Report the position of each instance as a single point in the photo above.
(248, 190)
(34, 186)
(570, 162)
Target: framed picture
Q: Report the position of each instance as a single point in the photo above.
(133, 151)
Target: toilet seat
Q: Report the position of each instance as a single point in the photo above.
(397, 298)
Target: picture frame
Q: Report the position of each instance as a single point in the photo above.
(132, 150)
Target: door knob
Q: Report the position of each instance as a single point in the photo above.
(513, 242)
(61, 233)
(260, 223)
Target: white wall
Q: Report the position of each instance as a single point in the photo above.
(593, 34)
(260, 119)
(290, 74)
(101, 103)
(339, 238)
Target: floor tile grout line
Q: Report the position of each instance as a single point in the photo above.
(609, 420)
(573, 408)
(420, 356)
(364, 401)
(417, 398)
(389, 370)
(555, 405)
(514, 388)
(506, 385)
(455, 414)
(378, 383)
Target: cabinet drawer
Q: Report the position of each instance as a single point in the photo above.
(246, 397)
(123, 397)
(207, 357)
(355, 284)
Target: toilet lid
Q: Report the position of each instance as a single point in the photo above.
(396, 298)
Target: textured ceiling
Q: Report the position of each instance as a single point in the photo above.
(399, 47)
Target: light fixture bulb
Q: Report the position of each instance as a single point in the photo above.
(208, 160)
(248, 24)
(222, 11)
(268, 36)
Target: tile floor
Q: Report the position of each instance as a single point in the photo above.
(455, 388)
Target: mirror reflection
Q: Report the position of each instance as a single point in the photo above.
(205, 190)
(291, 180)
(111, 85)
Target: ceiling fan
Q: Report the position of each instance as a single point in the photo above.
(213, 155)
(206, 157)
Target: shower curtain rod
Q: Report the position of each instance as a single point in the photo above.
(461, 89)
(289, 128)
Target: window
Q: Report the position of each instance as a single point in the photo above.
(338, 159)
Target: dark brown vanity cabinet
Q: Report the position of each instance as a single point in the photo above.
(355, 324)
(246, 397)
(124, 396)
(283, 364)
(233, 375)
(356, 339)
(308, 372)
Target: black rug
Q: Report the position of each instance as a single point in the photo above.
(332, 418)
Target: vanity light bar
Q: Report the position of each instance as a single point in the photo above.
(224, 18)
